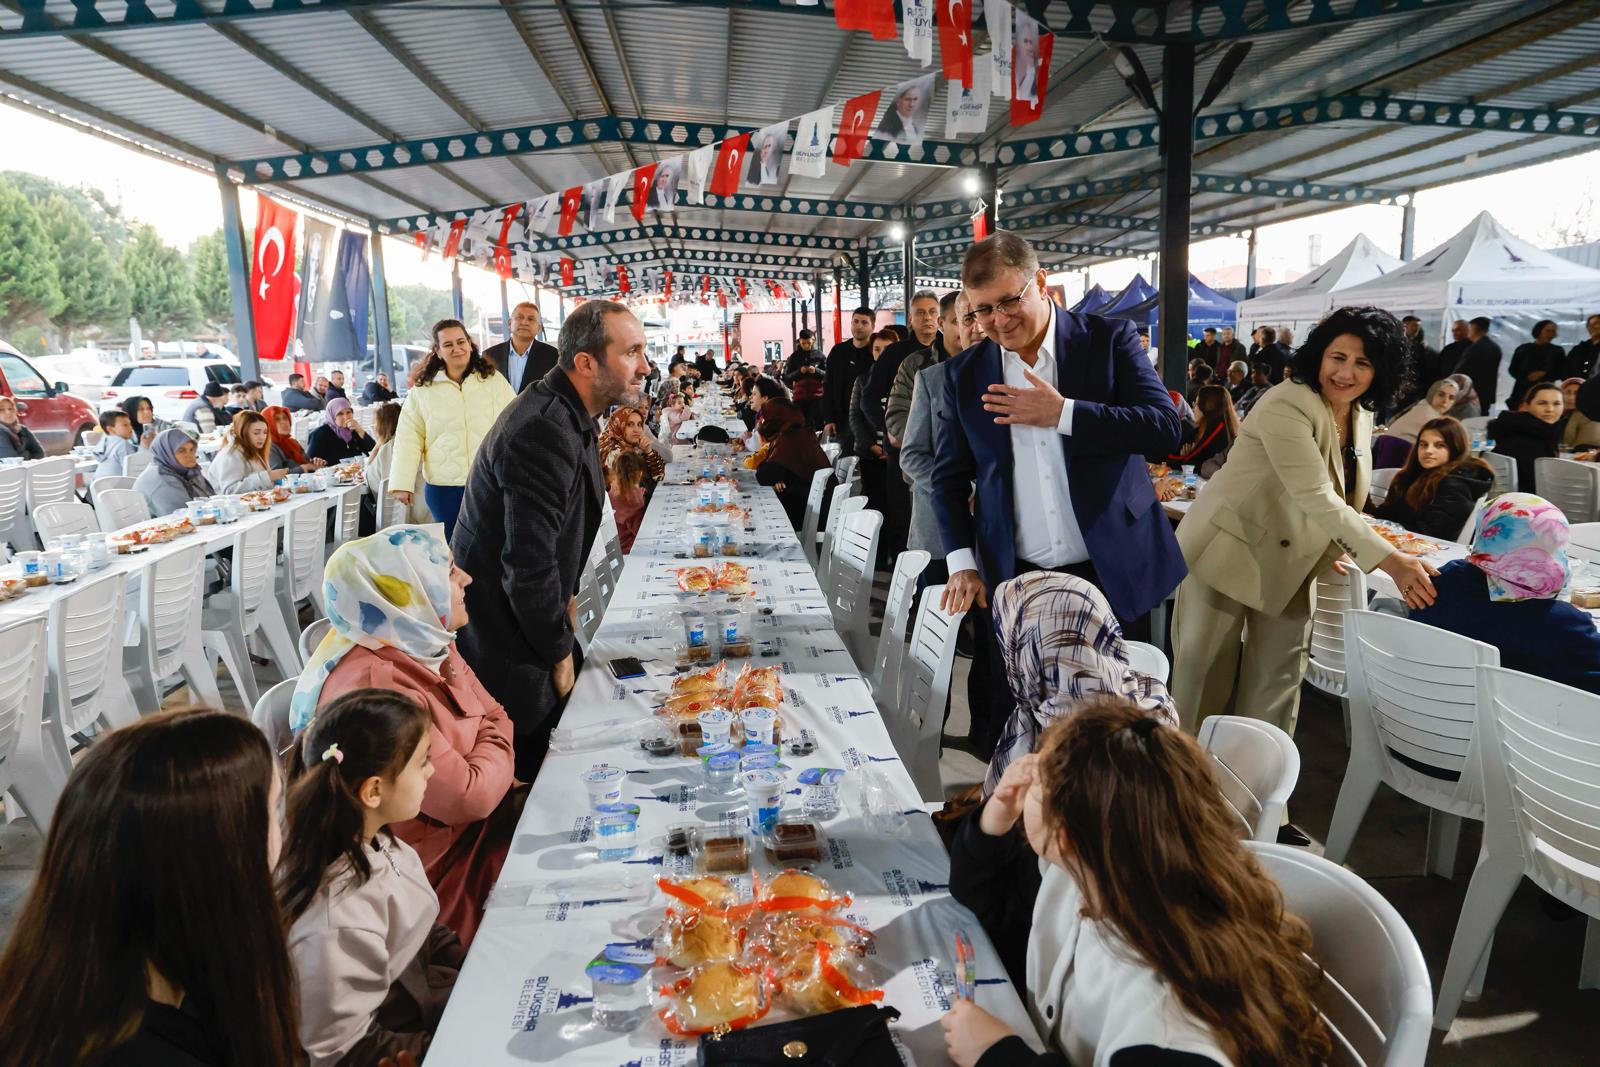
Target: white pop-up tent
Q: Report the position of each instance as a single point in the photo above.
(1302, 303)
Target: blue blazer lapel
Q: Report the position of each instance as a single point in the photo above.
(988, 369)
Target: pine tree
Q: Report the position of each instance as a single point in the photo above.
(161, 292)
(208, 260)
(30, 291)
(94, 290)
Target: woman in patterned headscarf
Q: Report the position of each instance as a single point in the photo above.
(394, 603)
(1507, 593)
(1061, 646)
(625, 432)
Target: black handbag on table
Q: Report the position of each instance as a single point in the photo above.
(850, 1037)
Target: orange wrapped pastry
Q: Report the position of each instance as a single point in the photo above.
(690, 705)
(797, 891)
(695, 579)
(718, 996)
(698, 683)
(731, 578)
(823, 979)
(691, 939)
(708, 893)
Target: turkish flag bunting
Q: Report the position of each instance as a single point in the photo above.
(570, 201)
(452, 244)
(874, 16)
(669, 283)
(980, 226)
(502, 250)
(743, 292)
(622, 279)
(1022, 112)
(567, 267)
(642, 177)
(705, 284)
(272, 283)
(954, 18)
(722, 298)
(854, 123)
(502, 262)
(424, 241)
(730, 160)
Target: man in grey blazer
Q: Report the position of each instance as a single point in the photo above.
(532, 508)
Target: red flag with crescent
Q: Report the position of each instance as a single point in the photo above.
(571, 200)
(502, 247)
(980, 224)
(452, 244)
(567, 269)
(874, 16)
(855, 122)
(424, 239)
(744, 294)
(642, 177)
(272, 288)
(669, 283)
(622, 279)
(954, 18)
(730, 161)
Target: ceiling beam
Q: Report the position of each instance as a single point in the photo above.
(735, 238)
(108, 16)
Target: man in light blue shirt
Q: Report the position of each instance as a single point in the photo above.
(522, 359)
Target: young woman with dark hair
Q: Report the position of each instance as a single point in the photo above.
(1435, 491)
(1154, 936)
(1536, 361)
(1530, 433)
(375, 968)
(245, 462)
(456, 397)
(1205, 445)
(151, 934)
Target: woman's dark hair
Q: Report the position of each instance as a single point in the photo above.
(240, 433)
(156, 860)
(1539, 326)
(433, 362)
(1383, 340)
(1539, 387)
(376, 731)
(386, 421)
(1143, 822)
(770, 388)
(1213, 405)
(1417, 486)
(131, 405)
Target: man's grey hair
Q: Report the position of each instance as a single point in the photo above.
(924, 294)
(585, 331)
(1240, 366)
(998, 252)
(527, 304)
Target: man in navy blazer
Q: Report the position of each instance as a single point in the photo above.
(1051, 416)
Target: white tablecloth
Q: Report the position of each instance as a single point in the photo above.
(522, 996)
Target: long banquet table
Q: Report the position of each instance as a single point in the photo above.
(522, 996)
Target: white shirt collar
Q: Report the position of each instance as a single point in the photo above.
(1046, 358)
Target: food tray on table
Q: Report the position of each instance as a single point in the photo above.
(1403, 539)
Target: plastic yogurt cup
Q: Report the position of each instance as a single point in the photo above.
(763, 791)
(604, 783)
(716, 725)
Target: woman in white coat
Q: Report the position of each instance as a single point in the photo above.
(244, 465)
(456, 397)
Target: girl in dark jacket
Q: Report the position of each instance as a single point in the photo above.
(1435, 491)
(1531, 432)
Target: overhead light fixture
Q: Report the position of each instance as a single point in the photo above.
(1126, 60)
(897, 232)
(971, 183)
(1231, 61)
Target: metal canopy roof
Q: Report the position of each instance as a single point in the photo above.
(404, 112)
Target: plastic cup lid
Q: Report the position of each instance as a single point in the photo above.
(715, 717)
(602, 774)
(763, 778)
(821, 776)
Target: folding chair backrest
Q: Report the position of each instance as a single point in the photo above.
(134, 465)
(64, 518)
(1505, 473)
(271, 716)
(22, 663)
(1470, 527)
(813, 516)
(311, 637)
(1585, 543)
(347, 528)
(843, 505)
(255, 558)
(1256, 766)
(1332, 596)
(84, 642)
(303, 549)
(109, 481)
(848, 471)
(884, 670)
(1148, 660)
(1477, 426)
(831, 450)
(855, 552)
(1571, 486)
(1376, 1000)
(120, 508)
(1381, 480)
(51, 480)
(925, 687)
(169, 607)
(13, 504)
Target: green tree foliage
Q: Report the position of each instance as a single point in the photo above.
(413, 309)
(160, 289)
(208, 260)
(103, 216)
(30, 290)
(94, 291)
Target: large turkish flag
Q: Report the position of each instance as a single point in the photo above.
(272, 297)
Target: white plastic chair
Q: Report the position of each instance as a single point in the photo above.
(170, 643)
(810, 525)
(1382, 478)
(347, 520)
(1148, 660)
(1477, 426)
(109, 481)
(247, 607)
(884, 669)
(1376, 997)
(1540, 746)
(1332, 595)
(855, 554)
(1412, 695)
(84, 653)
(134, 465)
(917, 723)
(832, 450)
(92, 438)
(310, 638)
(302, 562)
(590, 608)
(1471, 525)
(52, 481)
(1585, 543)
(1505, 473)
(843, 505)
(1571, 486)
(26, 771)
(14, 525)
(63, 519)
(609, 543)
(271, 715)
(848, 471)
(120, 508)
(1256, 766)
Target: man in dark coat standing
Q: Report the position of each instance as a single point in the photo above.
(522, 359)
(846, 362)
(532, 508)
(1481, 361)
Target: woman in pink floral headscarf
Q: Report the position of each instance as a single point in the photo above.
(1507, 593)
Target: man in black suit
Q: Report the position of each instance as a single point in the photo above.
(1450, 355)
(532, 507)
(523, 360)
(1481, 361)
(1272, 351)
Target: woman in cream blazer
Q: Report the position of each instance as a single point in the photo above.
(1284, 508)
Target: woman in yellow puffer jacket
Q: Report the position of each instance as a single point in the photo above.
(456, 398)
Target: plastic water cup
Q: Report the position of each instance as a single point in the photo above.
(716, 726)
(763, 792)
(619, 975)
(759, 724)
(604, 783)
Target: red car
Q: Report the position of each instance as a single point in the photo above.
(57, 418)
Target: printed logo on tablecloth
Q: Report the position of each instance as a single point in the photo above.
(582, 830)
(902, 887)
(682, 795)
(670, 1053)
(856, 758)
(839, 853)
(539, 998)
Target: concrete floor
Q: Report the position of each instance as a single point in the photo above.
(1532, 1013)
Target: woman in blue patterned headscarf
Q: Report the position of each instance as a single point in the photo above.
(1061, 646)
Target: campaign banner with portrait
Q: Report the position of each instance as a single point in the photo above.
(766, 155)
(905, 120)
(664, 184)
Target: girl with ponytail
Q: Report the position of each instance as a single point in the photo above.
(1155, 937)
(375, 967)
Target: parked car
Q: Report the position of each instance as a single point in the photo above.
(57, 417)
(87, 371)
(173, 384)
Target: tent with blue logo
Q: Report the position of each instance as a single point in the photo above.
(1486, 270)
(1207, 307)
(1302, 303)
(1094, 298)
